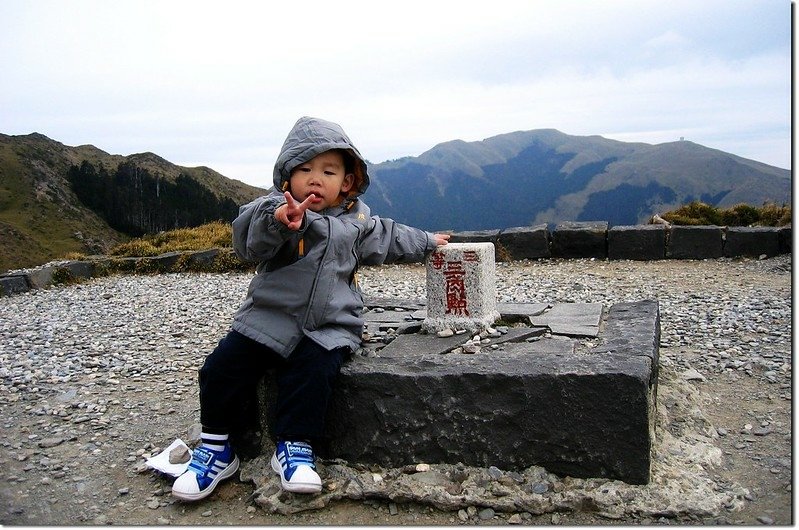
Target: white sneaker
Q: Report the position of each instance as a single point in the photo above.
(294, 462)
(206, 469)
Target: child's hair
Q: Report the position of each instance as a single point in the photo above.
(352, 165)
(349, 160)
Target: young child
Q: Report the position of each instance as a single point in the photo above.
(302, 314)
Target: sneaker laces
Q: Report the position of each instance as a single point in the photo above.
(299, 453)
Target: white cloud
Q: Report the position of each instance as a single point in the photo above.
(202, 83)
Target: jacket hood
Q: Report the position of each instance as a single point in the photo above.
(310, 137)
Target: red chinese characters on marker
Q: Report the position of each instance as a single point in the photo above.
(437, 260)
(455, 288)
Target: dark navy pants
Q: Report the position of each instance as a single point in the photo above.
(305, 379)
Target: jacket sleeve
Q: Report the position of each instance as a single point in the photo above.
(386, 241)
(257, 235)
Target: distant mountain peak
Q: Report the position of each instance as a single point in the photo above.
(545, 175)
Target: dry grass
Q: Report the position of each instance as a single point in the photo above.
(212, 235)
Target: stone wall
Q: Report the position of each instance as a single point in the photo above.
(593, 239)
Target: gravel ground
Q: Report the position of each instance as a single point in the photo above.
(97, 376)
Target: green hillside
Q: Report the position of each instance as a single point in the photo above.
(42, 219)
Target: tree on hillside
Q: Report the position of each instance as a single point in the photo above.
(135, 202)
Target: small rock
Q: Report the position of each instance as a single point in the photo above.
(46, 443)
(539, 488)
(462, 515)
(392, 508)
(193, 433)
(163, 521)
(515, 519)
(179, 455)
(207, 513)
(445, 333)
(471, 348)
(153, 504)
(123, 491)
(486, 514)
(692, 375)
(765, 519)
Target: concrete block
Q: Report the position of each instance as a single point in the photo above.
(752, 241)
(580, 240)
(694, 242)
(475, 236)
(461, 287)
(41, 278)
(584, 415)
(786, 239)
(81, 269)
(14, 284)
(165, 262)
(637, 242)
(525, 242)
(202, 260)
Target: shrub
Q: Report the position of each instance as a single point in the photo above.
(699, 213)
(740, 215)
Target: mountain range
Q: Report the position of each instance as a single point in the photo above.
(56, 199)
(546, 176)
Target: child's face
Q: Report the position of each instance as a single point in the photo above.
(324, 177)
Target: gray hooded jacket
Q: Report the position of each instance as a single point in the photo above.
(305, 282)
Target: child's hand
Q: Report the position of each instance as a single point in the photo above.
(441, 239)
(291, 213)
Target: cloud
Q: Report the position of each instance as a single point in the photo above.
(220, 85)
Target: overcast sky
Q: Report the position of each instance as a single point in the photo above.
(220, 84)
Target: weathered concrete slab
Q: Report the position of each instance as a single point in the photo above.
(519, 311)
(525, 242)
(752, 241)
(637, 242)
(405, 346)
(571, 319)
(519, 334)
(694, 242)
(588, 414)
(580, 240)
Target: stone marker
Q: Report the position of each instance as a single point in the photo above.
(461, 288)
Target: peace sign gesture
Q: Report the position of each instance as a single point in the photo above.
(291, 213)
